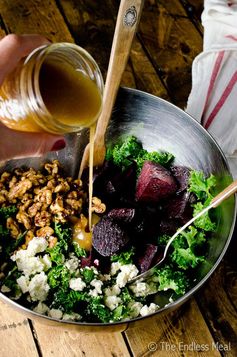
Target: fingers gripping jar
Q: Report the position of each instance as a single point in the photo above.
(58, 88)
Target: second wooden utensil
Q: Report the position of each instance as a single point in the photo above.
(126, 25)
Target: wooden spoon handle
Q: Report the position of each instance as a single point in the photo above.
(125, 29)
(223, 195)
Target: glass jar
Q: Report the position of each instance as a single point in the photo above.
(58, 88)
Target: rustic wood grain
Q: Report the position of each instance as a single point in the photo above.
(172, 42)
(218, 302)
(15, 334)
(35, 16)
(179, 333)
(79, 344)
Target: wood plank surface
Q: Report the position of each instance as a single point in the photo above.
(34, 16)
(15, 334)
(179, 333)
(77, 344)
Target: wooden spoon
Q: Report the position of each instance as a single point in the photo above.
(216, 201)
(125, 29)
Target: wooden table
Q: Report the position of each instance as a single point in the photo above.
(169, 37)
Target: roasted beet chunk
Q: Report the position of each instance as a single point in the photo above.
(109, 237)
(145, 260)
(181, 173)
(154, 183)
(178, 206)
(169, 226)
(123, 215)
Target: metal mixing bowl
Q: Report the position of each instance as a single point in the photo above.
(160, 126)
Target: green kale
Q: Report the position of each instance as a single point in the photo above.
(88, 274)
(123, 154)
(204, 222)
(6, 212)
(171, 279)
(124, 257)
(121, 312)
(11, 283)
(162, 158)
(126, 295)
(131, 150)
(201, 186)
(59, 276)
(61, 248)
(67, 300)
(97, 309)
(185, 258)
(80, 252)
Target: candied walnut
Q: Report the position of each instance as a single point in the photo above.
(12, 182)
(52, 241)
(42, 219)
(28, 237)
(97, 205)
(57, 205)
(35, 177)
(44, 195)
(75, 204)
(32, 210)
(5, 176)
(27, 197)
(45, 232)
(23, 217)
(63, 186)
(53, 167)
(77, 183)
(3, 196)
(51, 184)
(13, 226)
(19, 189)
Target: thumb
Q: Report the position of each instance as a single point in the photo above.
(16, 144)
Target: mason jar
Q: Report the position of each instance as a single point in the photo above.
(57, 88)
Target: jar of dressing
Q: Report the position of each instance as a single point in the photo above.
(58, 88)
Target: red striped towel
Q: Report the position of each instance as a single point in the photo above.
(213, 98)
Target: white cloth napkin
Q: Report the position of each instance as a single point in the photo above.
(213, 98)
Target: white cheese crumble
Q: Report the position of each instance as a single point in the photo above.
(38, 287)
(135, 308)
(36, 245)
(72, 317)
(77, 284)
(73, 263)
(128, 272)
(23, 282)
(147, 310)
(41, 308)
(55, 314)
(115, 267)
(5, 289)
(112, 302)
(97, 284)
(113, 290)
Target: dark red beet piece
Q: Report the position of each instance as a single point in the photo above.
(109, 237)
(145, 260)
(169, 226)
(123, 215)
(177, 206)
(154, 183)
(181, 173)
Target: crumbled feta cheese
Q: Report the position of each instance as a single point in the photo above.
(38, 287)
(77, 284)
(72, 263)
(46, 261)
(113, 290)
(5, 289)
(72, 317)
(41, 308)
(55, 313)
(36, 245)
(97, 284)
(140, 288)
(128, 271)
(112, 302)
(23, 283)
(105, 277)
(28, 265)
(115, 267)
(134, 307)
(146, 310)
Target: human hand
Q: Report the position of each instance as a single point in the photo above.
(16, 144)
